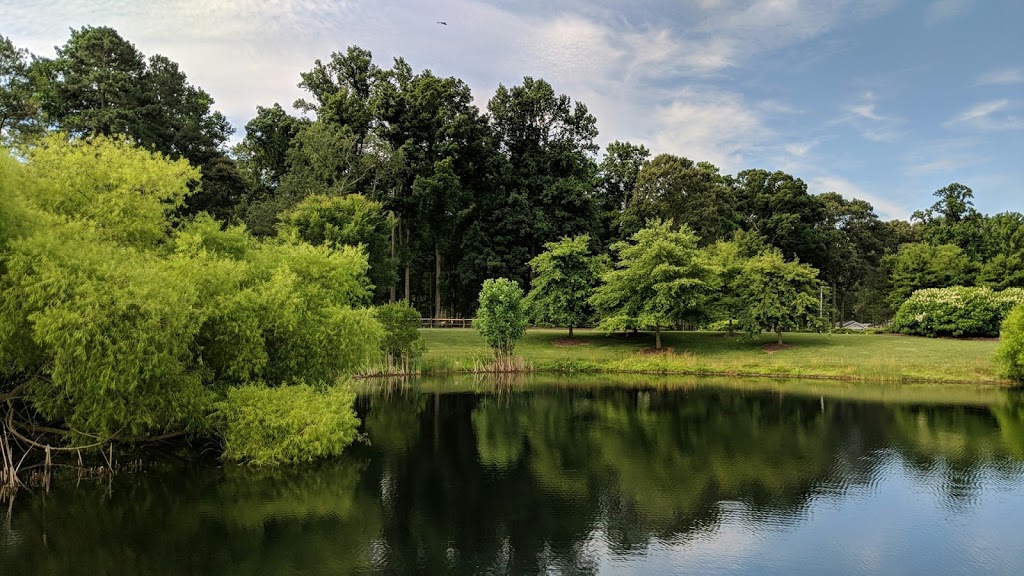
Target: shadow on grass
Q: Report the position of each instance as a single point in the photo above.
(701, 343)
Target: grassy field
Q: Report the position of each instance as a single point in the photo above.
(878, 357)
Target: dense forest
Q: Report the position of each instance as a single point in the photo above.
(444, 195)
(156, 282)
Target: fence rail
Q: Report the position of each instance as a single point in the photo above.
(446, 322)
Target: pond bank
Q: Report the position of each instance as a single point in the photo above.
(858, 357)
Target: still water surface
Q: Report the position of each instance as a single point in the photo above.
(657, 478)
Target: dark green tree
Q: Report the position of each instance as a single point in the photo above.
(777, 206)
(921, 265)
(952, 219)
(549, 142)
(19, 106)
(675, 188)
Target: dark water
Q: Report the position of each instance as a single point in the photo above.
(648, 480)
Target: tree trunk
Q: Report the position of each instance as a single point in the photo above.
(779, 332)
(832, 313)
(730, 325)
(391, 292)
(657, 337)
(570, 330)
(437, 281)
(408, 298)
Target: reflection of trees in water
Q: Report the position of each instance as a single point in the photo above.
(195, 520)
(516, 482)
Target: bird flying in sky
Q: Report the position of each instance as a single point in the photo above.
(442, 23)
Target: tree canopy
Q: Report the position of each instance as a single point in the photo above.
(660, 279)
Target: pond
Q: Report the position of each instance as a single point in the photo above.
(648, 476)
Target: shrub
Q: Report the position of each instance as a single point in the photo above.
(502, 317)
(1011, 345)
(956, 311)
(402, 342)
(289, 424)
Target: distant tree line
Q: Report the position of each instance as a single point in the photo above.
(442, 195)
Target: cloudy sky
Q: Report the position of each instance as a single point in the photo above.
(885, 100)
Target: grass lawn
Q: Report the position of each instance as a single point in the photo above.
(884, 357)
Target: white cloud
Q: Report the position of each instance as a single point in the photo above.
(941, 11)
(708, 125)
(984, 116)
(940, 165)
(799, 149)
(872, 125)
(1004, 76)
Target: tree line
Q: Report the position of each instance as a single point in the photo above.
(443, 195)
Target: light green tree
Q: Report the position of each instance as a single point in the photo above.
(778, 295)
(661, 279)
(502, 318)
(114, 323)
(564, 278)
(1011, 345)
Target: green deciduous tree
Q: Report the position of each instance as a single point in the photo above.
(952, 219)
(549, 142)
(564, 278)
(349, 220)
(777, 206)
(779, 295)
(19, 106)
(675, 188)
(921, 265)
(402, 342)
(660, 279)
(1011, 345)
(501, 318)
(116, 323)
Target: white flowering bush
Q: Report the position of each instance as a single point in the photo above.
(956, 311)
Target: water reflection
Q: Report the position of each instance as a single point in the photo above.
(647, 479)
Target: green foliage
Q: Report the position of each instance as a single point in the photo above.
(116, 325)
(296, 423)
(1010, 355)
(956, 311)
(777, 206)
(779, 295)
(564, 277)
(660, 279)
(953, 220)
(126, 193)
(502, 317)
(402, 343)
(346, 221)
(693, 193)
(921, 265)
(18, 103)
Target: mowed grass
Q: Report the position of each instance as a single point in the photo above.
(881, 357)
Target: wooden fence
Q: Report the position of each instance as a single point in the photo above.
(446, 322)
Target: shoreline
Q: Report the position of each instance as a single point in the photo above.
(880, 358)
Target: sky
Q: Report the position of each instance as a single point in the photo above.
(883, 100)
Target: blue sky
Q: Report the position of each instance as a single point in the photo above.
(885, 100)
